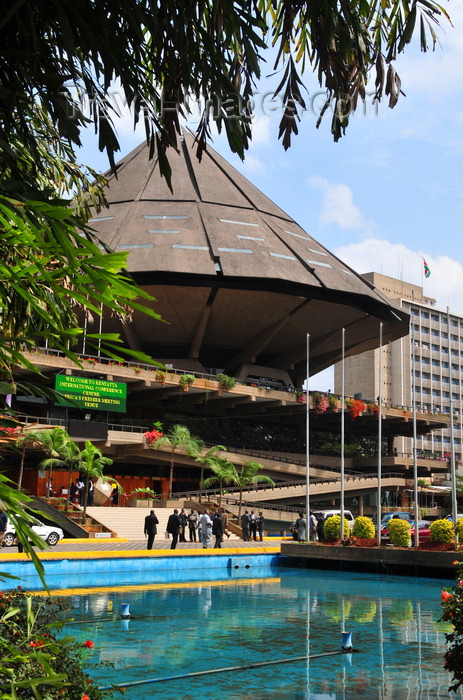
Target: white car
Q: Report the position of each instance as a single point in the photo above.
(50, 533)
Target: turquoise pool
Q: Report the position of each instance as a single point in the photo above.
(181, 629)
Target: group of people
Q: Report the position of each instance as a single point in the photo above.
(77, 494)
(252, 525)
(200, 527)
(315, 528)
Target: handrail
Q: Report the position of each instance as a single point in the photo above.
(122, 427)
(262, 384)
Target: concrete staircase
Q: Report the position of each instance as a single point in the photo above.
(129, 522)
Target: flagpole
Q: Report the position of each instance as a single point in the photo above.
(380, 400)
(415, 460)
(452, 446)
(342, 434)
(307, 445)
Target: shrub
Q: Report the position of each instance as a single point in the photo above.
(399, 532)
(363, 528)
(332, 528)
(442, 531)
(33, 661)
(225, 382)
(452, 604)
(186, 379)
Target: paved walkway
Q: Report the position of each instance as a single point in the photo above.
(96, 545)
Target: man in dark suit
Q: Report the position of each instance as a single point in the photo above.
(173, 527)
(150, 528)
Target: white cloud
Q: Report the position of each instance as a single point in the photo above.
(338, 205)
(396, 260)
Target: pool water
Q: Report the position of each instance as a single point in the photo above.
(176, 630)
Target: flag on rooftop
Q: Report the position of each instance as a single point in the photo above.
(427, 271)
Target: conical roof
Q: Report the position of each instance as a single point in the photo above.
(235, 277)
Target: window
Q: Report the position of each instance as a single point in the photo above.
(435, 348)
(434, 317)
(425, 314)
(445, 335)
(434, 332)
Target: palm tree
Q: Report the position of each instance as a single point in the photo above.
(178, 436)
(91, 464)
(247, 476)
(63, 453)
(26, 438)
(224, 472)
(206, 461)
(54, 442)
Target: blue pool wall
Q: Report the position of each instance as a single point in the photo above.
(95, 572)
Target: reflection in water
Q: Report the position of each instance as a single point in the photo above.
(299, 616)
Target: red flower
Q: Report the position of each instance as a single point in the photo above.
(89, 644)
(445, 595)
(85, 697)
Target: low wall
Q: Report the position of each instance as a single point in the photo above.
(381, 559)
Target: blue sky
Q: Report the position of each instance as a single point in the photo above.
(390, 191)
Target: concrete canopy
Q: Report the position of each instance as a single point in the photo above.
(237, 280)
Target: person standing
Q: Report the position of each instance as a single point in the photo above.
(205, 524)
(192, 525)
(49, 487)
(245, 522)
(217, 530)
(3, 525)
(173, 527)
(224, 516)
(313, 527)
(253, 526)
(183, 517)
(260, 526)
(150, 528)
(114, 495)
(90, 492)
(80, 490)
(301, 526)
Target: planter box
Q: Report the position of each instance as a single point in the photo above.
(142, 503)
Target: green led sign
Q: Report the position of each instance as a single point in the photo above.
(91, 394)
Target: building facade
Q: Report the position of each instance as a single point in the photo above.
(428, 362)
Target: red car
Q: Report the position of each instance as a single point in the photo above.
(423, 531)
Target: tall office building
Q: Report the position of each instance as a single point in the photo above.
(428, 360)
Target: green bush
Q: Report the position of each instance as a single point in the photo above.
(363, 528)
(225, 382)
(442, 531)
(332, 528)
(34, 662)
(459, 529)
(399, 532)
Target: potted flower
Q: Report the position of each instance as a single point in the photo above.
(300, 397)
(226, 382)
(355, 407)
(153, 435)
(334, 403)
(320, 403)
(140, 497)
(160, 376)
(186, 380)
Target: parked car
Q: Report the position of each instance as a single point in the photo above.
(423, 530)
(50, 533)
(402, 514)
(325, 514)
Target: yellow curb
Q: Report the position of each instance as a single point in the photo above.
(140, 553)
(91, 540)
(63, 592)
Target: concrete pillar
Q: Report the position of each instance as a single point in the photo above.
(360, 506)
